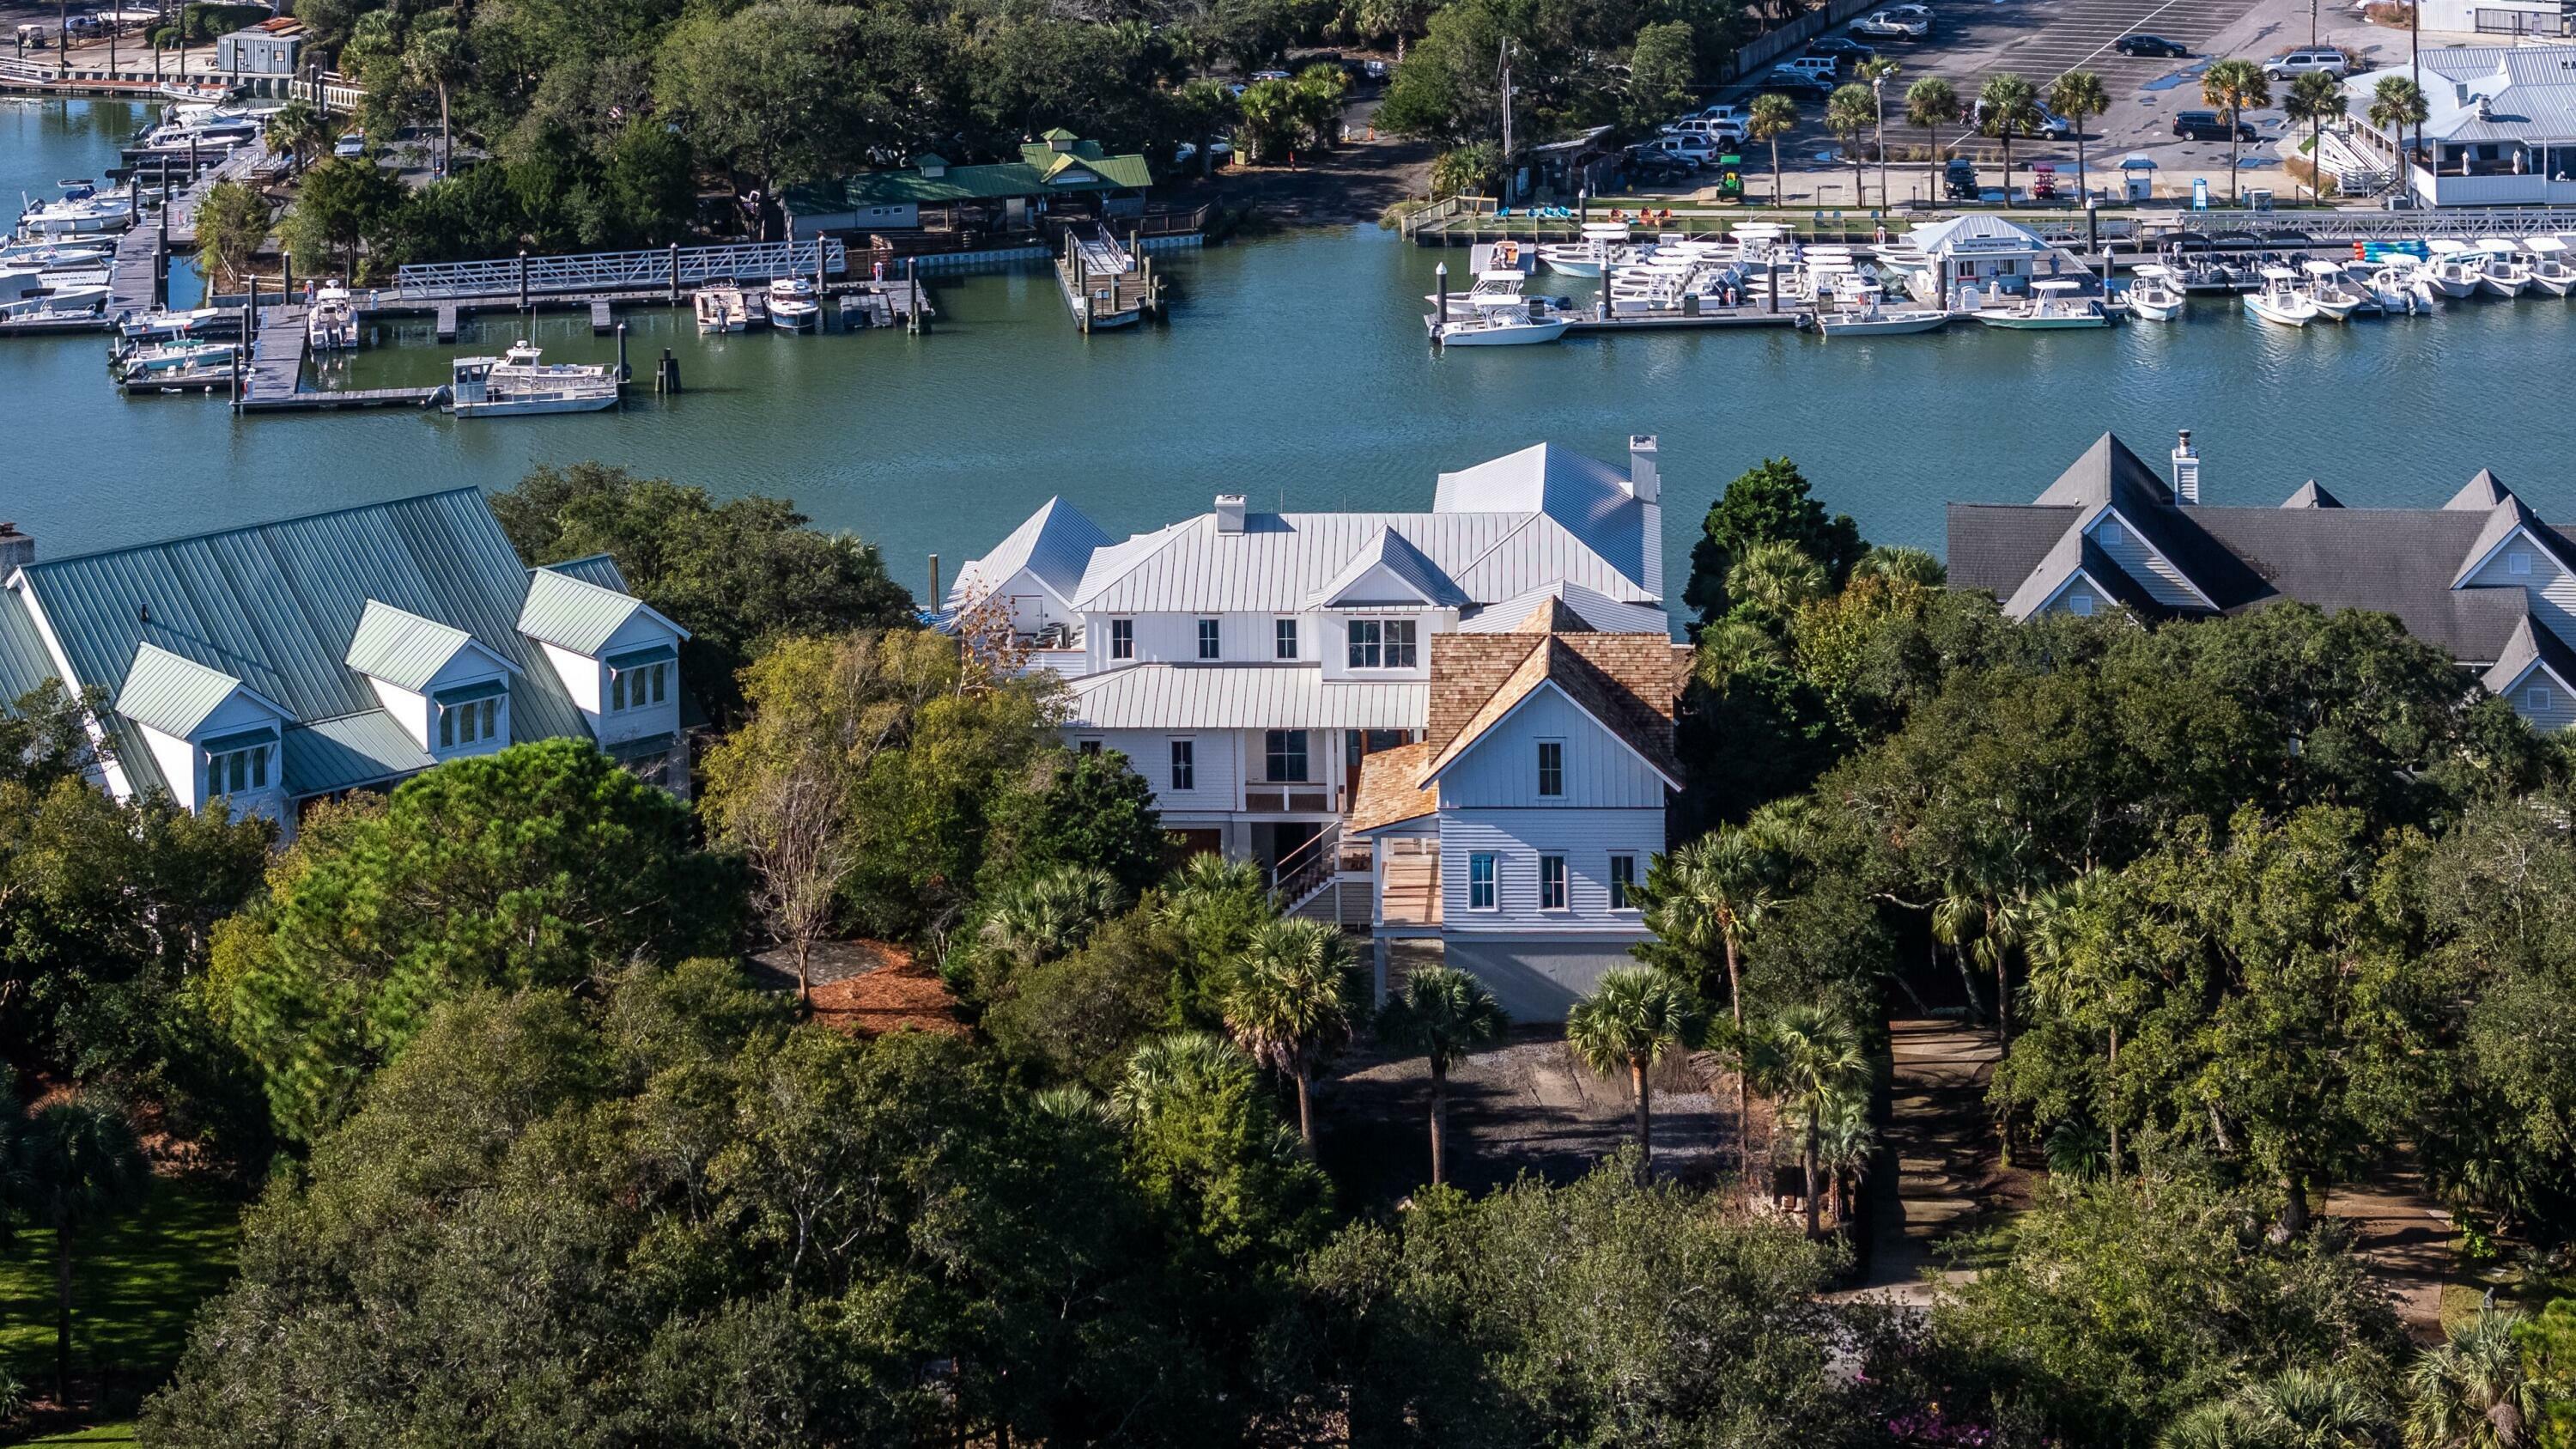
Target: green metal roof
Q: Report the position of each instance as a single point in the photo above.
(353, 750)
(468, 693)
(24, 665)
(277, 606)
(240, 740)
(171, 693)
(402, 648)
(572, 613)
(638, 658)
(1041, 171)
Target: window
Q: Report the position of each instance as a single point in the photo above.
(235, 771)
(469, 721)
(1285, 634)
(1089, 747)
(1381, 643)
(638, 687)
(1623, 879)
(2110, 534)
(2517, 562)
(1480, 882)
(2080, 605)
(1122, 638)
(2537, 698)
(1207, 639)
(1285, 752)
(1551, 767)
(1185, 769)
(1551, 882)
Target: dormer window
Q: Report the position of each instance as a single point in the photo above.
(471, 713)
(238, 763)
(1381, 644)
(640, 679)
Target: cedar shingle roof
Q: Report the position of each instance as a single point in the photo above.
(1626, 682)
(1391, 788)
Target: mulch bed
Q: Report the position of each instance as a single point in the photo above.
(868, 988)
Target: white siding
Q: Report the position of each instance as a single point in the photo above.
(1149, 752)
(179, 765)
(1334, 641)
(581, 679)
(638, 632)
(1501, 769)
(1517, 838)
(2152, 570)
(2552, 589)
(409, 710)
(188, 761)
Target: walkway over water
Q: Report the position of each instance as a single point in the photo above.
(670, 268)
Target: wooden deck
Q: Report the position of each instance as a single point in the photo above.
(1411, 895)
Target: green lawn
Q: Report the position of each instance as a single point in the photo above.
(96, 1434)
(135, 1288)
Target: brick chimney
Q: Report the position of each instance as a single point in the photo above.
(2186, 471)
(17, 550)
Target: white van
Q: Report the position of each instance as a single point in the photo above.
(1822, 67)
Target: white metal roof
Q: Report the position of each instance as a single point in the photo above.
(1605, 614)
(1053, 545)
(1242, 696)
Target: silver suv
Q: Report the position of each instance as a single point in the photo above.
(2323, 59)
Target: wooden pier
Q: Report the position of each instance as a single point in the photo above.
(274, 381)
(1662, 320)
(1104, 283)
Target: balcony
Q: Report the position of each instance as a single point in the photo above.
(1288, 799)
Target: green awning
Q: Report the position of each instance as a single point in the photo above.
(468, 693)
(240, 740)
(627, 752)
(638, 658)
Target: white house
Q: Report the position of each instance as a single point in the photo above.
(1254, 667)
(2500, 123)
(289, 661)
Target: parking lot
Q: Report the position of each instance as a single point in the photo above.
(2041, 40)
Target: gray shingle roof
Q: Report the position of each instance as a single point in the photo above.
(2312, 494)
(2529, 645)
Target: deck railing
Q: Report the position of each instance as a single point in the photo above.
(618, 271)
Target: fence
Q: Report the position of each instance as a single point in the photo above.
(671, 267)
(1756, 55)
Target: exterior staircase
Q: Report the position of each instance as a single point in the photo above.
(1326, 879)
(2356, 170)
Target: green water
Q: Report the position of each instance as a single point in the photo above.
(1294, 369)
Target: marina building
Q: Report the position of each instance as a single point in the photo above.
(1058, 174)
(271, 48)
(267, 666)
(2501, 122)
(1452, 728)
(2480, 576)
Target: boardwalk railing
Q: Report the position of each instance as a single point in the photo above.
(617, 271)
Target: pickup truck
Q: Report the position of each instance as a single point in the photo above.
(1888, 25)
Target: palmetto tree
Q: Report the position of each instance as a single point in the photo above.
(1875, 73)
(1290, 1005)
(2070, 975)
(2007, 106)
(1773, 116)
(2079, 96)
(2315, 98)
(1182, 1060)
(293, 128)
(71, 1166)
(1775, 573)
(434, 58)
(1708, 898)
(1204, 108)
(1048, 915)
(1847, 115)
(1808, 1057)
(1844, 1140)
(1633, 1019)
(1900, 563)
(2475, 1391)
(1933, 103)
(2235, 85)
(2217, 1424)
(1443, 1013)
(2302, 1409)
(2395, 104)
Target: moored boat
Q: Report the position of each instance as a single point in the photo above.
(792, 306)
(2152, 295)
(2053, 306)
(2449, 268)
(2500, 272)
(2280, 301)
(720, 307)
(332, 325)
(2325, 285)
(2547, 257)
(520, 382)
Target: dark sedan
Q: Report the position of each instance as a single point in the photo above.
(1849, 52)
(2153, 45)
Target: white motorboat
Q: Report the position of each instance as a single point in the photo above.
(84, 210)
(164, 326)
(2501, 273)
(1604, 244)
(332, 325)
(1873, 320)
(2325, 285)
(2053, 306)
(188, 356)
(2152, 295)
(53, 291)
(1492, 288)
(2451, 269)
(2280, 301)
(791, 304)
(520, 382)
(2547, 257)
(1508, 326)
(48, 254)
(2395, 289)
(720, 307)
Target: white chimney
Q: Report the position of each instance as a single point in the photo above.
(1643, 481)
(1229, 513)
(17, 550)
(2186, 471)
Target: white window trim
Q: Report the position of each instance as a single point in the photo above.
(1184, 755)
(1130, 641)
(1385, 625)
(1493, 881)
(1287, 627)
(2518, 563)
(1211, 638)
(1540, 769)
(1566, 869)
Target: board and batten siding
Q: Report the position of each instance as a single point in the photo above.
(2152, 570)
(1517, 838)
(2552, 589)
(1501, 769)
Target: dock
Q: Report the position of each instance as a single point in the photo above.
(1104, 284)
(1662, 320)
(274, 383)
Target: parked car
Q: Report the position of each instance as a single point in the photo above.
(1722, 111)
(1728, 129)
(2208, 126)
(2151, 45)
(1693, 151)
(1792, 78)
(2325, 59)
(1910, 11)
(1263, 75)
(1843, 49)
(1887, 25)
(1374, 69)
(1823, 67)
(2051, 124)
(350, 144)
(1959, 179)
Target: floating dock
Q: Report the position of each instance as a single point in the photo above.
(1104, 283)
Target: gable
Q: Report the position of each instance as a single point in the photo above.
(2146, 565)
(1498, 767)
(2493, 567)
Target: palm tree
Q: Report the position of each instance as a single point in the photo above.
(1183, 1060)
(1876, 73)
(2235, 85)
(1444, 1014)
(1844, 1141)
(2315, 98)
(2007, 106)
(1776, 573)
(2217, 1424)
(1708, 898)
(1773, 116)
(2079, 97)
(2475, 1391)
(433, 57)
(1900, 563)
(1933, 103)
(2395, 104)
(1959, 922)
(1048, 915)
(72, 1166)
(1290, 1006)
(1847, 115)
(1633, 1019)
(1808, 1057)
(1204, 108)
(293, 127)
(2300, 1409)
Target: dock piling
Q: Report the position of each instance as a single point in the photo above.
(666, 374)
(523, 281)
(912, 288)
(625, 374)
(1440, 310)
(675, 274)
